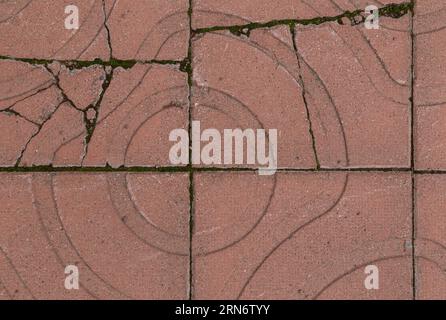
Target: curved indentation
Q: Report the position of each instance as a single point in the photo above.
(33, 90)
(37, 207)
(159, 25)
(248, 227)
(14, 14)
(433, 261)
(136, 118)
(5, 290)
(291, 235)
(238, 103)
(290, 73)
(432, 250)
(124, 99)
(32, 68)
(373, 82)
(381, 62)
(78, 31)
(16, 272)
(267, 53)
(143, 123)
(428, 23)
(142, 215)
(430, 31)
(377, 56)
(56, 220)
(137, 224)
(338, 278)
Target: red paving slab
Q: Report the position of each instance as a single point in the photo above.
(357, 93)
(340, 96)
(145, 30)
(430, 79)
(42, 23)
(430, 237)
(208, 13)
(128, 29)
(342, 67)
(125, 242)
(140, 108)
(301, 236)
(61, 117)
(230, 92)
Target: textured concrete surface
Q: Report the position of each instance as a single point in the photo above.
(86, 179)
(126, 243)
(300, 236)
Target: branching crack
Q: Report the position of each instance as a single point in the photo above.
(39, 128)
(90, 124)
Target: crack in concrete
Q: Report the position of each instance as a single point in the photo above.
(39, 128)
(15, 113)
(304, 97)
(356, 17)
(80, 64)
(110, 48)
(90, 124)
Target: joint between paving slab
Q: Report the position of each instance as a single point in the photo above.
(79, 64)
(191, 169)
(186, 66)
(412, 148)
(356, 17)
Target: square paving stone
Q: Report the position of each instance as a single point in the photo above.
(128, 235)
(430, 81)
(358, 87)
(301, 235)
(430, 243)
(92, 116)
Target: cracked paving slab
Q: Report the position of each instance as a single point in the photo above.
(106, 97)
(237, 81)
(147, 30)
(94, 116)
(358, 95)
(42, 24)
(340, 99)
(209, 13)
(127, 30)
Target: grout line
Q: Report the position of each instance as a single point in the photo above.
(187, 67)
(412, 153)
(186, 169)
(189, 168)
(356, 17)
(79, 64)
